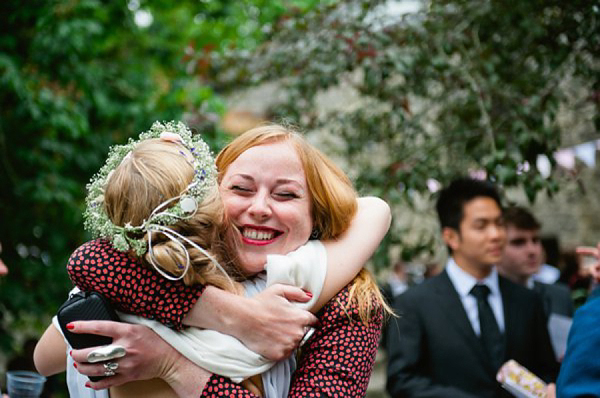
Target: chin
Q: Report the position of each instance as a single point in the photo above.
(493, 260)
(252, 266)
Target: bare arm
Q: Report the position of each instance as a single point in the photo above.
(347, 255)
(50, 355)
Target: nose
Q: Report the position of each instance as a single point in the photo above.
(532, 247)
(260, 208)
(497, 232)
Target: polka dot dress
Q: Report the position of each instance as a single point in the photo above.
(336, 362)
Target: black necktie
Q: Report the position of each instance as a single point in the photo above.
(491, 337)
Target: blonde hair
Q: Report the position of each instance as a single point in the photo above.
(333, 199)
(152, 173)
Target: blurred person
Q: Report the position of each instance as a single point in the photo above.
(456, 329)
(548, 273)
(576, 277)
(580, 371)
(431, 270)
(396, 284)
(3, 267)
(397, 281)
(522, 260)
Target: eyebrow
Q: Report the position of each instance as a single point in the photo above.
(279, 181)
(487, 219)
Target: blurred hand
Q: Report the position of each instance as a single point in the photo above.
(3, 267)
(551, 390)
(593, 269)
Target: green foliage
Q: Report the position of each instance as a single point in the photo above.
(455, 87)
(75, 77)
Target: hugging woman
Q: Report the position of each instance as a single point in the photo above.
(277, 192)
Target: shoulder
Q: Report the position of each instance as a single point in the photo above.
(509, 287)
(342, 308)
(518, 296)
(425, 289)
(589, 313)
(97, 253)
(98, 248)
(557, 289)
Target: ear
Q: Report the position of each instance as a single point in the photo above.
(451, 237)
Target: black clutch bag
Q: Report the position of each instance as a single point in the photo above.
(86, 306)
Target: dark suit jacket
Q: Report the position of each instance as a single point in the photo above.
(434, 352)
(556, 298)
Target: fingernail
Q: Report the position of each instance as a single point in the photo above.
(71, 353)
(87, 384)
(70, 326)
(309, 294)
(74, 364)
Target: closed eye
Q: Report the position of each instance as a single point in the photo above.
(287, 195)
(239, 188)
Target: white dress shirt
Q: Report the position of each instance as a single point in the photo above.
(463, 283)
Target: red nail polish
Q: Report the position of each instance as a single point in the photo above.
(70, 326)
(309, 294)
(74, 364)
(87, 384)
(71, 353)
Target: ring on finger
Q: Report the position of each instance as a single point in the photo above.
(308, 332)
(109, 368)
(113, 366)
(106, 353)
(109, 373)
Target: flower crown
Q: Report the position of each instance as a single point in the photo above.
(129, 236)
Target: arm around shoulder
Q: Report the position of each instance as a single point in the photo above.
(348, 254)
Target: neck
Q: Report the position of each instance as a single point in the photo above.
(477, 271)
(518, 279)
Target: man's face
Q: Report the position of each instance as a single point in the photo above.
(523, 253)
(479, 243)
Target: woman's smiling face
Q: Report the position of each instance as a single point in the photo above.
(266, 198)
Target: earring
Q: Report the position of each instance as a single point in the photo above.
(315, 234)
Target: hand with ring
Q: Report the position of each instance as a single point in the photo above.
(136, 353)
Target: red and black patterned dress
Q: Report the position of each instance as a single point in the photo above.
(336, 362)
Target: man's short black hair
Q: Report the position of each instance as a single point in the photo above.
(521, 218)
(452, 199)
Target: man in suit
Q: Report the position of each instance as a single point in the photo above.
(523, 257)
(456, 329)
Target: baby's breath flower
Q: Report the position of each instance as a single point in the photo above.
(205, 173)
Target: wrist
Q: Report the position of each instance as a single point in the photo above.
(221, 311)
(233, 318)
(186, 378)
